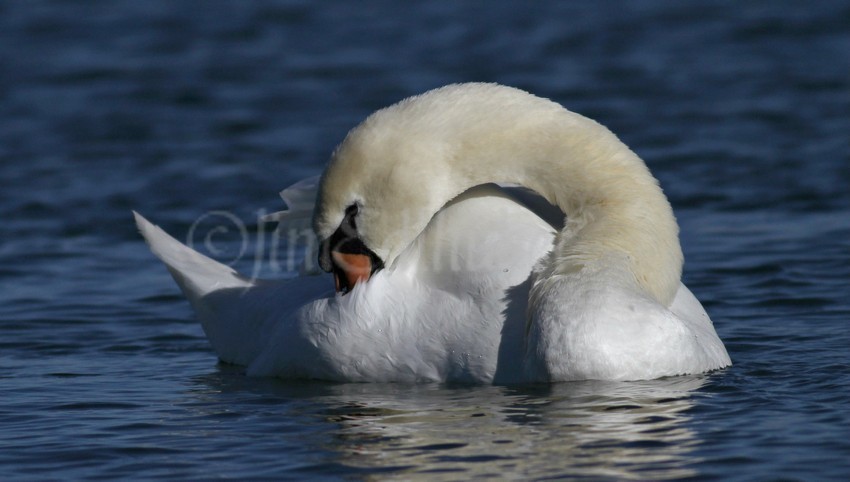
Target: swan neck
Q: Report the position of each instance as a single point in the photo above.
(616, 212)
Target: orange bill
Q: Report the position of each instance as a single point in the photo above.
(354, 267)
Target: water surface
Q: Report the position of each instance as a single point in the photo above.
(180, 109)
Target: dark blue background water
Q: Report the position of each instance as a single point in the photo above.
(176, 109)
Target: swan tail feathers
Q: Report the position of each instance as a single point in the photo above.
(196, 274)
(224, 301)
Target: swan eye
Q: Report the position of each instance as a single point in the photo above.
(348, 221)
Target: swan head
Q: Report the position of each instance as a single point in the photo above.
(401, 165)
(382, 186)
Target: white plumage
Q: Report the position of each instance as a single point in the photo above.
(482, 283)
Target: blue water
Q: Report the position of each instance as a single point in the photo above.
(178, 109)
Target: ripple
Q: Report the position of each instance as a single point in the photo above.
(95, 406)
(178, 111)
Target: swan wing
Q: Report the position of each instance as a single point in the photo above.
(593, 325)
(440, 313)
(299, 199)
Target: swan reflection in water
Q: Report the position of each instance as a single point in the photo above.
(612, 429)
(621, 430)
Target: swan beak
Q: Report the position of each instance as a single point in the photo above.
(349, 269)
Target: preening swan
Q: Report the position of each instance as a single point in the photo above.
(443, 276)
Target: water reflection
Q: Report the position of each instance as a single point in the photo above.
(619, 430)
(586, 429)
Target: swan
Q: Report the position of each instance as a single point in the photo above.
(473, 233)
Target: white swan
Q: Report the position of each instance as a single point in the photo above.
(442, 277)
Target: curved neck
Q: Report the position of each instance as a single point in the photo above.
(614, 206)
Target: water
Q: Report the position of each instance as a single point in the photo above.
(177, 109)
